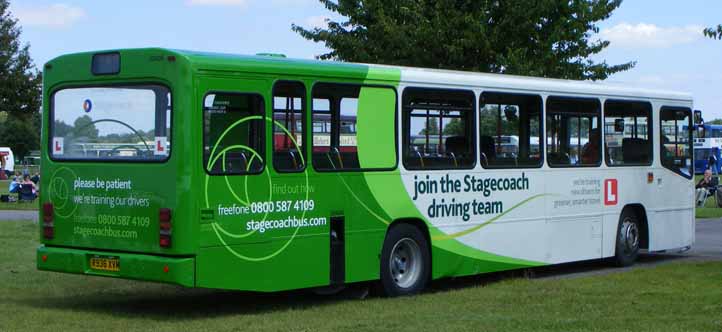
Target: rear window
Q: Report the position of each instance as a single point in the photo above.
(119, 123)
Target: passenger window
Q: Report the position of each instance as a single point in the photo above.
(627, 128)
(438, 129)
(573, 133)
(353, 127)
(233, 133)
(676, 140)
(509, 130)
(289, 123)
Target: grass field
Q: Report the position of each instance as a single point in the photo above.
(671, 297)
(4, 186)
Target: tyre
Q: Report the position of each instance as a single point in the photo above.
(627, 246)
(405, 261)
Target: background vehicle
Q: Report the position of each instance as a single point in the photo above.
(708, 146)
(266, 174)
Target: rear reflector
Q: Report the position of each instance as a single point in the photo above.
(165, 227)
(48, 218)
(164, 215)
(164, 241)
(48, 212)
(48, 232)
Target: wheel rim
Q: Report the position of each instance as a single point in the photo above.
(405, 263)
(629, 236)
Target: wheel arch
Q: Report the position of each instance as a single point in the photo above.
(420, 225)
(641, 213)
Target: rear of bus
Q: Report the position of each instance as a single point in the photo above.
(112, 170)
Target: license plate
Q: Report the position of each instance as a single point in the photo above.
(105, 263)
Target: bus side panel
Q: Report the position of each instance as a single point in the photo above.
(671, 223)
(671, 230)
(262, 267)
(621, 187)
(365, 221)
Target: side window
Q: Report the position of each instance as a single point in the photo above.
(438, 129)
(573, 132)
(509, 130)
(233, 133)
(627, 133)
(289, 124)
(354, 127)
(676, 140)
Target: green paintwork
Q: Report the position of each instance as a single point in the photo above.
(218, 251)
(133, 266)
(376, 125)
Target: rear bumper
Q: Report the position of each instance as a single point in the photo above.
(180, 271)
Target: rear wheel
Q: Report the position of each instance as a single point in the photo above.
(405, 261)
(627, 248)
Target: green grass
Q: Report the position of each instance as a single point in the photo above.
(670, 297)
(4, 186)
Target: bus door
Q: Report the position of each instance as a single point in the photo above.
(672, 226)
(248, 233)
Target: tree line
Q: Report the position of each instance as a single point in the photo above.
(20, 89)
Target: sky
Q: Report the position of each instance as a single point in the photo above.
(663, 36)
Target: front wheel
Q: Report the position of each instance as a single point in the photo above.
(627, 247)
(405, 261)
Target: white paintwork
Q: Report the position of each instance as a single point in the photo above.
(9, 159)
(541, 231)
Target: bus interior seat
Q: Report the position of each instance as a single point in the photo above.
(322, 160)
(488, 149)
(457, 146)
(236, 162)
(350, 160)
(287, 160)
(635, 150)
(559, 158)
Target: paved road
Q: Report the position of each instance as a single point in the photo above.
(18, 215)
(708, 239)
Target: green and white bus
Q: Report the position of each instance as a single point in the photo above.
(263, 173)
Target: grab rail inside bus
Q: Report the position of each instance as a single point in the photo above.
(293, 159)
(245, 165)
(338, 156)
(453, 157)
(147, 147)
(421, 159)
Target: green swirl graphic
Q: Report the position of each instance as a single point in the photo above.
(60, 193)
(486, 223)
(218, 229)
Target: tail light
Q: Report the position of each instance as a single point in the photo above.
(165, 227)
(48, 218)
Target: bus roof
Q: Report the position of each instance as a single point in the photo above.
(205, 61)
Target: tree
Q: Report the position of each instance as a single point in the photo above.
(431, 127)
(454, 128)
(61, 129)
(526, 37)
(714, 33)
(20, 135)
(20, 88)
(84, 127)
